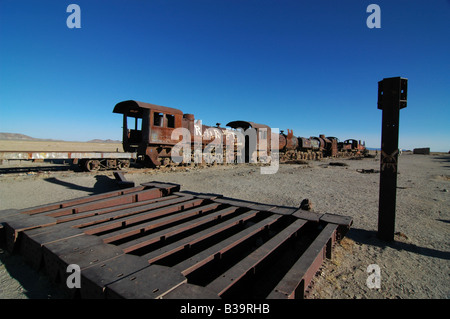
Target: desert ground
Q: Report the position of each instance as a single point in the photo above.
(415, 266)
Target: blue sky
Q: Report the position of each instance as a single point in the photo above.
(310, 66)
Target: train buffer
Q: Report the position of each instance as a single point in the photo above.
(156, 241)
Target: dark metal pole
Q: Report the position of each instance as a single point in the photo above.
(391, 98)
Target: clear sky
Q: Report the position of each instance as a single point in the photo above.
(310, 66)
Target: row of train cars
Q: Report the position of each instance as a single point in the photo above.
(148, 131)
(152, 133)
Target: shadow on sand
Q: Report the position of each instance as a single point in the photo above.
(102, 185)
(367, 237)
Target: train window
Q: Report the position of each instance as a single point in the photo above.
(170, 120)
(134, 123)
(262, 134)
(157, 119)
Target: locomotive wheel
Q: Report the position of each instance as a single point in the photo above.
(165, 162)
(124, 164)
(92, 165)
(111, 163)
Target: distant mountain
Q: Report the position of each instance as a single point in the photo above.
(16, 136)
(23, 137)
(104, 141)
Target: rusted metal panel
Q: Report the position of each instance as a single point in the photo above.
(77, 201)
(112, 202)
(84, 251)
(307, 215)
(152, 282)
(155, 241)
(130, 105)
(34, 240)
(95, 279)
(294, 284)
(199, 238)
(249, 265)
(189, 291)
(135, 216)
(217, 251)
(175, 230)
(15, 225)
(121, 207)
(161, 222)
(305, 143)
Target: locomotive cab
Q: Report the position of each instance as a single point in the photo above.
(147, 129)
(354, 146)
(135, 124)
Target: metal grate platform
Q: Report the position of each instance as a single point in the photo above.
(155, 241)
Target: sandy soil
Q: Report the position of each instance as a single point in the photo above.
(415, 265)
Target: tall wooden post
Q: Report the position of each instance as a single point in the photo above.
(391, 98)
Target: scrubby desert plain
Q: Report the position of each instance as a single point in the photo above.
(415, 266)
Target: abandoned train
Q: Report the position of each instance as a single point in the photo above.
(148, 131)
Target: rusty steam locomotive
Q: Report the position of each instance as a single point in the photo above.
(150, 131)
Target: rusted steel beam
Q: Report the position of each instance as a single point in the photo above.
(34, 240)
(201, 259)
(175, 230)
(95, 279)
(17, 221)
(146, 189)
(141, 215)
(15, 225)
(158, 223)
(109, 202)
(190, 291)
(95, 212)
(114, 215)
(294, 284)
(250, 264)
(77, 201)
(307, 215)
(84, 251)
(152, 282)
(198, 238)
